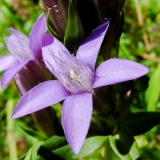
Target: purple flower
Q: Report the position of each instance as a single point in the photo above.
(23, 50)
(77, 79)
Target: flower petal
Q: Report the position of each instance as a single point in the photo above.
(39, 97)
(53, 50)
(35, 38)
(88, 51)
(76, 116)
(10, 73)
(118, 70)
(7, 62)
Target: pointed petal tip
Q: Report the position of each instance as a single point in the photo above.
(3, 85)
(41, 96)
(35, 38)
(5, 80)
(76, 116)
(18, 113)
(117, 70)
(14, 115)
(9, 74)
(92, 45)
(76, 147)
(76, 150)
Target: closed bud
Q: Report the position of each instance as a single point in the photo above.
(57, 11)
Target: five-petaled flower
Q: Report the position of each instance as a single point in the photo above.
(23, 50)
(77, 78)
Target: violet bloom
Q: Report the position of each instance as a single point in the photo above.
(23, 50)
(77, 79)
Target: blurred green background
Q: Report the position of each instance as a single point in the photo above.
(139, 42)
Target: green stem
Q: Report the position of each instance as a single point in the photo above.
(10, 131)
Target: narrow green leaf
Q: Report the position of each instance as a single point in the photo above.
(33, 152)
(55, 142)
(117, 142)
(139, 123)
(28, 157)
(32, 132)
(153, 92)
(45, 151)
(89, 146)
(74, 32)
(10, 130)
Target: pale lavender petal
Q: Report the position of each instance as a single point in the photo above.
(7, 62)
(88, 51)
(53, 52)
(39, 97)
(18, 45)
(76, 116)
(10, 73)
(35, 38)
(118, 70)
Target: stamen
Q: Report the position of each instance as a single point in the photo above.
(73, 74)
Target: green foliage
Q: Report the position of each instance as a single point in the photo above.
(153, 92)
(32, 153)
(56, 147)
(124, 147)
(74, 32)
(134, 122)
(89, 146)
(139, 42)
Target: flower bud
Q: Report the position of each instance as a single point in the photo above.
(57, 11)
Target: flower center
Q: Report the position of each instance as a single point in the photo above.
(71, 72)
(18, 45)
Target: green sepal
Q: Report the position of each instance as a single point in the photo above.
(74, 34)
(33, 151)
(33, 132)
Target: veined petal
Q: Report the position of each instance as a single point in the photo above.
(118, 70)
(88, 51)
(7, 62)
(10, 73)
(53, 53)
(53, 46)
(35, 38)
(76, 116)
(18, 45)
(39, 97)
